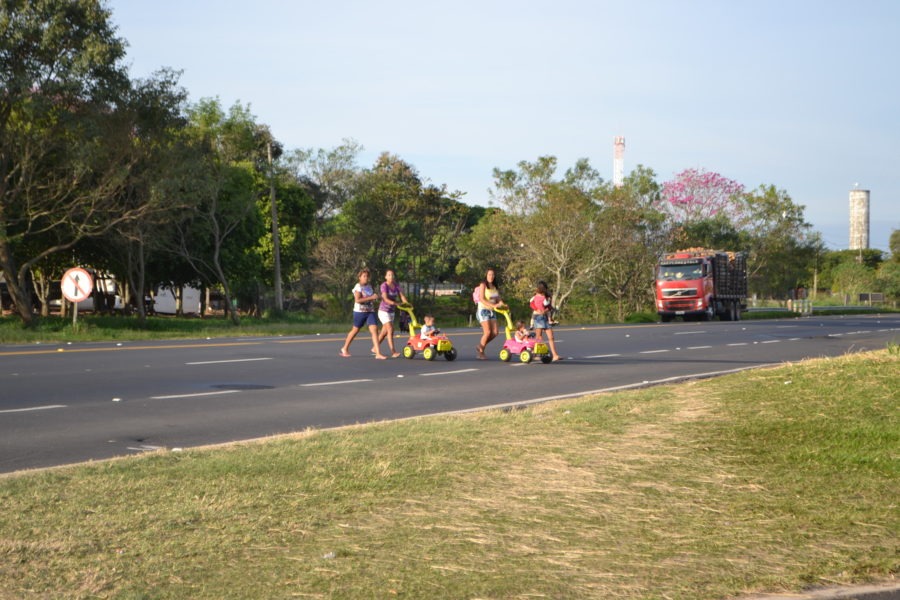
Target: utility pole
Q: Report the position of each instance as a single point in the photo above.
(276, 243)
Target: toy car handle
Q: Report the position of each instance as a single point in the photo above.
(408, 308)
(509, 324)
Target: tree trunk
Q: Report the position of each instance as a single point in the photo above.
(17, 286)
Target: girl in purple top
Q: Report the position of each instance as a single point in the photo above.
(390, 297)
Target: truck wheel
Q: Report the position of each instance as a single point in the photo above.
(726, 315)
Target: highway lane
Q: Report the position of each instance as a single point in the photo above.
(76, 402)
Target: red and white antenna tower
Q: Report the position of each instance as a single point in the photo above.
(619, 161)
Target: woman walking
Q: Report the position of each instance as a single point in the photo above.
(488, 299)
(390, 296)
(364, 298)
(541, 307)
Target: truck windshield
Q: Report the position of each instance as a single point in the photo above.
(680, 272)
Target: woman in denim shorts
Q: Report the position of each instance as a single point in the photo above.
(541, 305)
(364, 298)
(488, 299)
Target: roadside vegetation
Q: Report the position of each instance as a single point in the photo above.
(769, 480)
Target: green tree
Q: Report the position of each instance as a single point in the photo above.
(829, 261)
(217, 237)
(851, 279)
(158, 178)
(894, 245)
(558, 224)
(783, 247)
(65, 141)
(639, 234)
(888, 279)
(392, 220)
(330, 178)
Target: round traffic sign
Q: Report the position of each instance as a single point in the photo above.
(77, 284)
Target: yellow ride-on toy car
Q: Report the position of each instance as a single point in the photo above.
(430, 346)
(527, 349)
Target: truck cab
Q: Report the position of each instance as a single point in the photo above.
(683, 288)
(702, 284)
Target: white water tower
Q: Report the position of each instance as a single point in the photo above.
(859, 219)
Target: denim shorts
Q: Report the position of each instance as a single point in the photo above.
(486, 314)
(540, 322)
(361, 319)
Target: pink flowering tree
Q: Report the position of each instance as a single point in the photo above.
(700, 195)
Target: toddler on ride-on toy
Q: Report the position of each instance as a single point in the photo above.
(519, 341)
(429, 341)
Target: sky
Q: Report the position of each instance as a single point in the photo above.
(800, 94)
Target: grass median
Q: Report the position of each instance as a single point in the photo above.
(767, 480)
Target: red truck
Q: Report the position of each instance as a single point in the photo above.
(702, 284)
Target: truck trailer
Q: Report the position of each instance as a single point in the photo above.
(698, 283)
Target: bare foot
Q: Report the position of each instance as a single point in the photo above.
(343, 353)
(381, 357)
(395, 355)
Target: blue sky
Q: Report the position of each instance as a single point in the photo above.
(799, 94)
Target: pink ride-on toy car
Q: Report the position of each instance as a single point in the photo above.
(527, 350)
(429, 347)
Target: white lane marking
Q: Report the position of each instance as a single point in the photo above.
(448, 372)
(653, 351)
(218, 362)
(193, 395)
(794, 339)
(144, 448)
(786, 326)
(687, 332)
(48, 407)
(770, 342)
(603, 355)
(698, 347)
(334, 382)
(739, 344)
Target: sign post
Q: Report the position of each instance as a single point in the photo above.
(77, 286)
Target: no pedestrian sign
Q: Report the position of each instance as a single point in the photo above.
(77, 285)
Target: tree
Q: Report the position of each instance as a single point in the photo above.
(830, 261)
(559, 225)
(158, 178)
(638, 235)
(64, 142)
(698, 195)
(394, 220)
(852, 279)
(217, 237)
(330, 177)
(894, 245)
(783, 247)
(888, 279)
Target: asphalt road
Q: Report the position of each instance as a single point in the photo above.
(78, 402)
